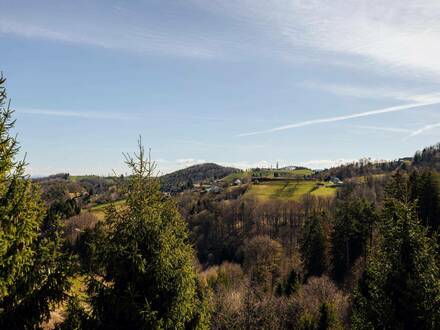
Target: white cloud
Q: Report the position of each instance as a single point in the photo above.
(246, 164)
(325, 163)
(394, 35)
(189, 161)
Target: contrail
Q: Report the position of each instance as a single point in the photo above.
(340, 118)
(423, 129)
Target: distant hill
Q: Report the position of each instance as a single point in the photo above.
(185, 178)
(428, 158)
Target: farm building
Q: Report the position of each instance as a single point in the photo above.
(237, 182)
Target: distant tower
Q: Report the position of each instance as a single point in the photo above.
(277, 165)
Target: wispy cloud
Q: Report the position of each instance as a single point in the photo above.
(76, 114)
(427, 100)
(325, 163)
(364, 91)
(189, 161)
(398, 36)
(106, 29)
(393, 36)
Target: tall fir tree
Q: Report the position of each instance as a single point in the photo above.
(400, 288)
(33, 270)
(149, 281)
(425, 191)
(313, 247)
(352, 232)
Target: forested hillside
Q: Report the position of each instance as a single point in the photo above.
(276, 250)
(428, 158)
(187, 177)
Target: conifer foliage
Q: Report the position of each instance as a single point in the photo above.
(313, 247)
(33, 270)
(400, 288)
(148, 279)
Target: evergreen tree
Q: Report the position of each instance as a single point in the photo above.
(399, 187)
(313, 247)
(149, 281)
(33, 270)
(351, 234)
(400, 288)
(293, 283)
(328, 319)
(425, 190)
(290, 286)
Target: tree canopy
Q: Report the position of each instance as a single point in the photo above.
(33, 268)
(148, 278)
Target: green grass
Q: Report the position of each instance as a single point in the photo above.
(300, 172)
(289, 190)
(107, 179)
(239, 175)
(326, 191)
(103, 206)
(99, 210)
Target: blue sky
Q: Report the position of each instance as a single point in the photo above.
(242, 83)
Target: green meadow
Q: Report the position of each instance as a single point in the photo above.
(290, 189)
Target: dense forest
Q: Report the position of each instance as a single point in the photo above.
(123, 253)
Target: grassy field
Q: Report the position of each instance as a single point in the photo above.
(289, 190)
(99, 210)
(325, 191)
(239, 175)
(299, 172)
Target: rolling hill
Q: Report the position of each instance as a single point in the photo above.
(185, 178)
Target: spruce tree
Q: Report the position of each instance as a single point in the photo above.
(429, 200)
(149, 281)
(328, 319)
(33, 270)
(400, 288)
(352, 232)
(313, 247)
